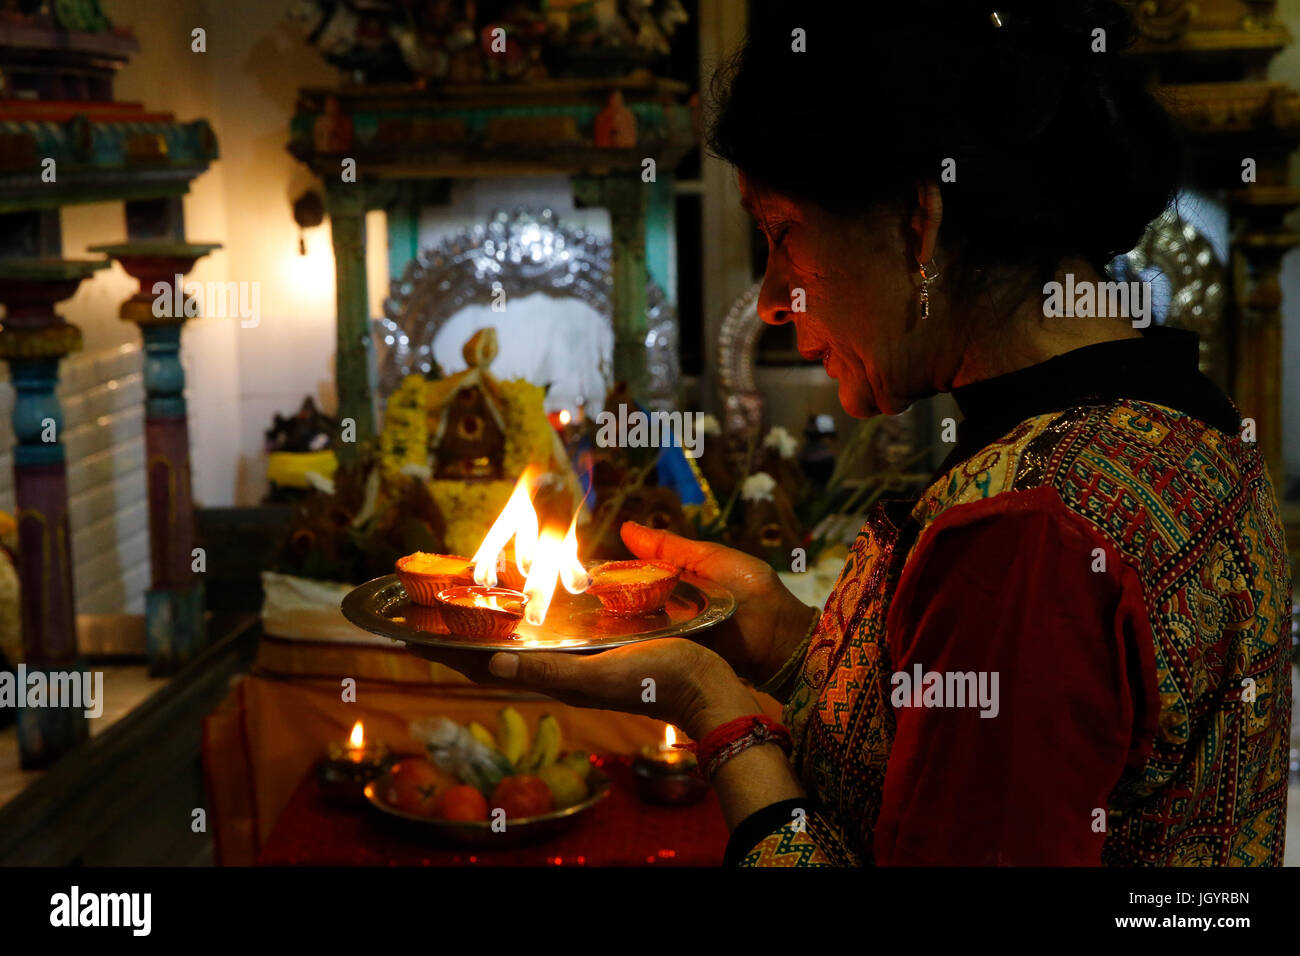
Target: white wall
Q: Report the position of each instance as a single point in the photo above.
(245, 84)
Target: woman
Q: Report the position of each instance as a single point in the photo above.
(1072, 648)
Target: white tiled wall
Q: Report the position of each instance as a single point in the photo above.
(102, 394)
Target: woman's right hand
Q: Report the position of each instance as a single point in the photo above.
(769, 621)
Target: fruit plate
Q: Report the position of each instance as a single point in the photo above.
(479, 833)
(575, 622)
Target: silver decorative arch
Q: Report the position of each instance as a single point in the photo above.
(742, 406)
(896, 436)
(526, 252)
(1174, 248)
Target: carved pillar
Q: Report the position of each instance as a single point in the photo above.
(625, 198)
(1161, 20)
(1261, 240)
(174, 605)
(355, 356)
(32, 341)
(1260, 15)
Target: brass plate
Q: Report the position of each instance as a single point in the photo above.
(574, 622)
(479, 833)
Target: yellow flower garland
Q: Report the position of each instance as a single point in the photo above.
(528, 432)
(405, 438)
(469, 507)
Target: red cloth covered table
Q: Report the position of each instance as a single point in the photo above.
(618, 831)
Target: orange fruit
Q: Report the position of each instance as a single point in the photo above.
(462, 802)
(416, 785)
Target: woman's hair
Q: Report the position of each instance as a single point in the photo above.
(1059, 150)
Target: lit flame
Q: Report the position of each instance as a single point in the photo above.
(517, 520)
(358, 738)
(565, 417)
(543, 559)
(670, 738)
(492, 603)
(573, 575)
(557, 559)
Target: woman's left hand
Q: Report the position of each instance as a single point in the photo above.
(674, 680)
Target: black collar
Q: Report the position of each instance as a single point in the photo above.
(1160, 368)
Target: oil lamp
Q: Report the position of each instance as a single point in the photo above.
(482, 612)
(666, 774)
(542, 556)
(349, 766)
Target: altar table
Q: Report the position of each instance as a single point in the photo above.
(262, 741)
(618, 831)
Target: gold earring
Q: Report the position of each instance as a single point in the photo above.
(929, 274)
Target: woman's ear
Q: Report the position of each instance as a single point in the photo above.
(926, 220)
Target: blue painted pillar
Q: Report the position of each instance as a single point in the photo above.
(175, 624)
(33, 340)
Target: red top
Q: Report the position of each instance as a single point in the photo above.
(1029, 784)
(1103, 549)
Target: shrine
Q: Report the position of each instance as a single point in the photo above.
(646, 433)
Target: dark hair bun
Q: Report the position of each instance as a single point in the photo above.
(1059, 149)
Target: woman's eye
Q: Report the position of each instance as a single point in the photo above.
(776, 232)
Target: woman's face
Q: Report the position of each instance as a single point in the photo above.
(850, 287)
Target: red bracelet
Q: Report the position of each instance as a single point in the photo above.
(724, 742)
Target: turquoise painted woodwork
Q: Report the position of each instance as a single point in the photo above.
(164, 376)
(403, 139)
(37, 414)
(33, 340)
(366, 123)
(46, 733)
(174, 619)
(661, 234)
(175, 629)
(102, 161)
(403, 237)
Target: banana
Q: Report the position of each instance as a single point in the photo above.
(512, 735)
(483, 735)
(546, 745)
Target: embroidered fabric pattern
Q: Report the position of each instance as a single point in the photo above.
(1194, 515)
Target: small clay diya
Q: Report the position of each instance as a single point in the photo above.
(632, 588)
(482, 613)
(668, 777)
(508, 575)
(424, 575)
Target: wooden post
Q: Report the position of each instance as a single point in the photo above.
(625, 198)
(354, 358)
(1261, 240)
(174, 605)
(33, 340)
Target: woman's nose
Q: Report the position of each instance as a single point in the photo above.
(774, 300)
